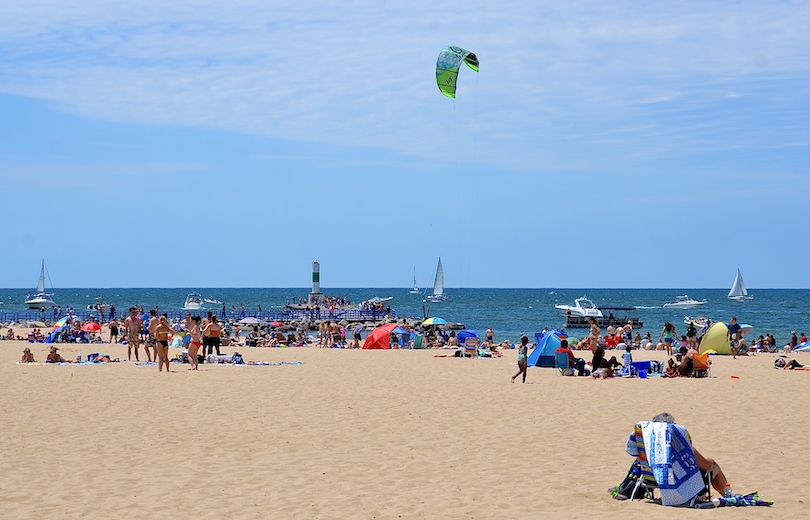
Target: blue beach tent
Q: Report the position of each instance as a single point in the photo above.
(543, 353)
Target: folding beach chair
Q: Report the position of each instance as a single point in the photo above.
(561, 363)
(702, 365)
(678, 486)
(471, 347)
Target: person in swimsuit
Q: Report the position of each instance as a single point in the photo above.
(114, 331)
(523, 354)
(595, 332)
(668, 335)
(490, 335)
(162, 333)
(196, 341)
(150, 339)
(133, 325)
(214, 332)
(27, 356)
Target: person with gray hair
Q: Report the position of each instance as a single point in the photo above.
(704, 463)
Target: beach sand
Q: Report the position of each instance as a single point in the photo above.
(376, 434)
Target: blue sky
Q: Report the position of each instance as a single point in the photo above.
(601, 145)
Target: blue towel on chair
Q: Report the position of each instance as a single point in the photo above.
(672, 461)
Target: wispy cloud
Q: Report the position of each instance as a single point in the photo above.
(361, 72)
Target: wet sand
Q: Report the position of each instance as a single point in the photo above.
(376, 434)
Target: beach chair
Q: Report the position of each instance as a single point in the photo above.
(561, 363)
(471, 347)
(702, 365)
(678, 478)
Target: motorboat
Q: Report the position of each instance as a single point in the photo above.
(683, 302)
(377, 299)
(699, 321)
(415, 289)
(99, 303)
(582, 308)
(194, 302)
(39, 298)
(438, 286)
(738, 291)
(212, 301)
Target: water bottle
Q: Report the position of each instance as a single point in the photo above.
(727, 491)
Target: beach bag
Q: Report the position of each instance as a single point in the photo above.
(237, 359)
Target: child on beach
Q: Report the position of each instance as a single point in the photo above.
(523, 354)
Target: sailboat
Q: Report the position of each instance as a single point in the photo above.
(40, 298)
(415, 289)
(438, 286)
(738, 291)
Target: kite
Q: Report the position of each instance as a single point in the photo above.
(447, 68)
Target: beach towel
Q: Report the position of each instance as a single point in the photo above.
(672, 460)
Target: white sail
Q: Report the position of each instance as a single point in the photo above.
(415, 289)
(738, 290)
(438, 282)
(41, 284)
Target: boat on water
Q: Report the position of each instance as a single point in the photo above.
(738, 291)
(699, 321)
(683, 302)
(194, 302)
(438, 286)
(212, 301)
(377, 299)
(582, 308)
(415, 289)
(99, 303)
(39, 298)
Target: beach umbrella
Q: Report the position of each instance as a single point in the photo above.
(400, 330)
(250, 321)
(60, 323)
(434, 321)
(91, 326)
(380, 338)
(276, 324)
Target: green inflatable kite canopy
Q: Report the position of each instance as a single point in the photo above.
(447, 65)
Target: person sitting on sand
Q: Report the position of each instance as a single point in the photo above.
(687, 362)
(54, 357)
(602, 373)
(672, 368)
(704, 463)
(27, 356)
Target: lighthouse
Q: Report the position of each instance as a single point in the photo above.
(316, 283)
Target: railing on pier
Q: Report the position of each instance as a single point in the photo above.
(279, 315)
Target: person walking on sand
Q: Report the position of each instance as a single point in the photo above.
(196, 341)
(133, 326)
(163, 333)
(669, 335)
(523, 354)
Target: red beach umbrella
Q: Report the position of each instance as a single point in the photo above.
(91, 326)
(276, 324)
(380, 338)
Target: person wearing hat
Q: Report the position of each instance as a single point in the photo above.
(55, 357)
(27, 356)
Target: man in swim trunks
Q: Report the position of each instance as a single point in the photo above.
(133, 325)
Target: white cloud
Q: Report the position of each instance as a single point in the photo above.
(361, 72)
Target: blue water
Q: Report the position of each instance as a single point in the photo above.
(510, 312)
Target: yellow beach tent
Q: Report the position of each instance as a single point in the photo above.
(716, 339)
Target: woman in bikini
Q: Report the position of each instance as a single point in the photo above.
(163, 333)
(195, 343)
(214, 332)
(595, 332)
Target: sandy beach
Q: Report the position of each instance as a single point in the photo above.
(376, 434)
